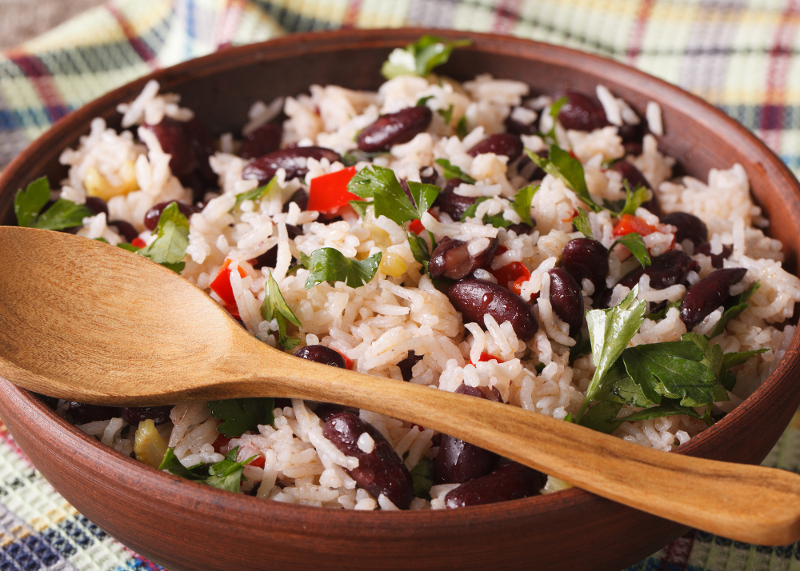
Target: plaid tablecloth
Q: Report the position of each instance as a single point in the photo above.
(740, 55)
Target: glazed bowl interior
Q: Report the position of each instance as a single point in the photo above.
(166, 518)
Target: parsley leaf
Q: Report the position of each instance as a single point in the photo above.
(602, 416)
(420, 57)
(673, 370)
(636, 247)
(330, 265)
(661, 314)
(422, 100)
(28, 202)
(555, 109)
(634, 199)
(461, 127)
(446, 115)
(424, 196)
(419, 247)
(422, 475)
(390, 199)
(275, 307)
(225, 475)
(452, 171)
(257, 193)
(360, 207)
(241, 415)
(739, 305)
(62, 214)
(350, 158)
(610, 331)
(561, 164)
(522, 203)
(667, 407)
(172, 238)
(581, 223)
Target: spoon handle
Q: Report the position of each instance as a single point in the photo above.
(746, 503)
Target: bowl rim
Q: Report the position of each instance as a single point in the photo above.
(391, 38)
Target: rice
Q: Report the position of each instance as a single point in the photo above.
(378, 325)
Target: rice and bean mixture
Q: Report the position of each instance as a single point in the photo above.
(469, 266)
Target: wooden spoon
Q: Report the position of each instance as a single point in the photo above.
(85, 321)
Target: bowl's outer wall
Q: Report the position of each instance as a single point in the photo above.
(171, 521)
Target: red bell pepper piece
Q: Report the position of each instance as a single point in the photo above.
(328, 193)
(416, 227)
(222, 286)
(139, 243)
(258, 462)
(628, 223)
(512, 272)
(487, 357)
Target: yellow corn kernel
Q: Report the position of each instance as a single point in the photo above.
(393, 265)
(97, 185)
(148, 445)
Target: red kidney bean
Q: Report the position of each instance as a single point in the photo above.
(299, 197)
(327, 410)
(172, 137)
(264, 140)
(708, 294)
(381, 471)
(666, 270)
(633, 149)
(519, 128)
(584, 258)
(203, 145)
(631, 133)
(269, 258)
(689, 226)
(510, 481)
(81, 413)
(152, 215)
(716, 259)
(635, 179)
(125, 229)
(581, 113)
(566, 299)
(475, 298)
(322, 354)
(459, 461)
(451, 259)
(537, 173)
(264, 168)
(136, 414)
(97, 205)
(522, 228)
(454, 205)
(428, 175)
(393, 129)
(407, 364)
(507, 144)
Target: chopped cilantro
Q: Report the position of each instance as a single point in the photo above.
(360, 207)
(62, 214)
(241, 415)
(421, 57)
(561, 164)
(581, 223)
(225, 475)
(275, 307)
(330, 265)
(461, 127)
(172, 238)
(635, 245)
(446, 115)
(389, 198)
(422, 100)
(522, 203)
(452, 171)
(257, 193)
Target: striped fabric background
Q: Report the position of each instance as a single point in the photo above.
(741, 55)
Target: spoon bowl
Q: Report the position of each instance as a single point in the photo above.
(86, 321)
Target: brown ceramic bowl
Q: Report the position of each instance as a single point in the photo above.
(191, 527)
